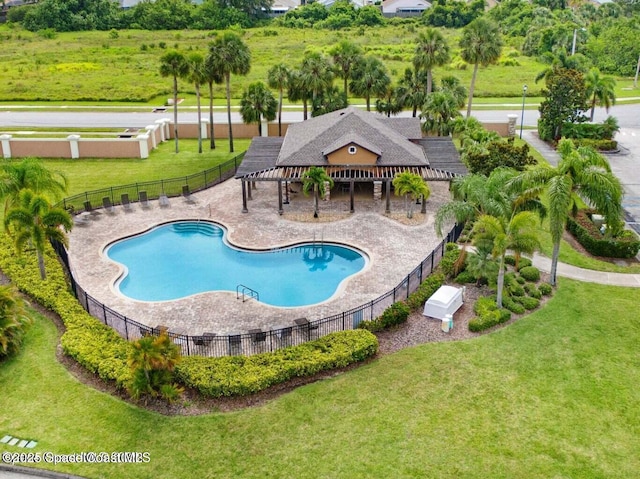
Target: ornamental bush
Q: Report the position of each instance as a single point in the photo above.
(545, 289)
(429, 286)
(488, 314)
(586, 232)
(528, 302)
(394, 315)
(530, 273)
(512, 305)
(242, 375)
(532, 291)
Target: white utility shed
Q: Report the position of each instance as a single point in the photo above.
(446, 300)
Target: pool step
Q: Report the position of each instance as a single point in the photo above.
(206, 229)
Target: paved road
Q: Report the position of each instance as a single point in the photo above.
(628, 116)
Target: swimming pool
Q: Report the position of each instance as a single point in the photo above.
(177, 260)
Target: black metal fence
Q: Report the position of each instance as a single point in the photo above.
(258, 341)
(152, 190)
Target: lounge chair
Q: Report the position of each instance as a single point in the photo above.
(87, 206)
(235, 344)
(126, 204)
(187, 194)
(144, 201)
(107, 205)
(164, 201)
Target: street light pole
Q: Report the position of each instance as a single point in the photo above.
(524, 96)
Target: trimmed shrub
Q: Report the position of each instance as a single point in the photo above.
(530, 273)
(600, 145)
(532, 291)
(512, 305)
(465, 277)
(586, 232)
(394, 315)
(425, 290)
(521, 280)
(241, 375)
(449, 262)
(545, 289)
(524, 262)
(488, 314)
(528, 302)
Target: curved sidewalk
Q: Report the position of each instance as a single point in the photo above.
(573, 272)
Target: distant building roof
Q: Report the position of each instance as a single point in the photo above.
(399, 6)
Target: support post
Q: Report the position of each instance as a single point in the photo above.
(423, 210)
(351, 194)
(388, 197)
(280, 209)
(73, 145)
(244, 197)
(249, 183)
(6, 146)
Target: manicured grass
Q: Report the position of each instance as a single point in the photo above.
(90, 174)
(553, 395)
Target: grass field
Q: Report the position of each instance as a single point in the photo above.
(553, 395)
(93, 66)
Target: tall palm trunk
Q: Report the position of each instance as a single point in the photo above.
(471, 88)
(212, 141)
(304, 109)
(197, 85)
(368, 103)
(554, 263)
(316, 206)
(429, 82)
(280, 113)
(175, 111)
(43, 273)
(593, 106)
(500, 281)
(227, 79)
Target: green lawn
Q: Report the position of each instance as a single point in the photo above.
(553, 395)
(89, 174)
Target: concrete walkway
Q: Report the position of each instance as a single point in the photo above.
(590, 276)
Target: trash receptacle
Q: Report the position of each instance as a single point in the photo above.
(447, 323)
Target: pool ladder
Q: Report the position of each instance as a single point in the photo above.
(246, 293)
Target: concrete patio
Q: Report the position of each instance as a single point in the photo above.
(394, 250)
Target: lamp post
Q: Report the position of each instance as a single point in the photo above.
(524, 96)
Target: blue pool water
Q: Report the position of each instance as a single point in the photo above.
(180, 259)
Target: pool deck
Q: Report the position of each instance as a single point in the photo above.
(394, 250)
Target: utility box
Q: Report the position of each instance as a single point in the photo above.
(446, 300)
(447, 323)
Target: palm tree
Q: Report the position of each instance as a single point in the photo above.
(453, 86)
(496, 195)
(481, 45)
(174, 64)
(316, 179)
(197, 75)
(35, 222)
(415, 93)
(29, 173)
(228, 55)
(257, 102)
(370, 78)
(519, 233)
(601, 89)
(412, 187)
(152, 361)
(13, 321)
(212, 76)
(432, 50)
(346, 56)
(279, 77)
(440, 108)
(392, 102)
(581, 173)
(561, 59)
(297, 90)
(315, 74)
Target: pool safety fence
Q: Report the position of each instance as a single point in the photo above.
(150, 190)
(258, 341)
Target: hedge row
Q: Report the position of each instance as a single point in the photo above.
(588, 235)
(240, 375)
(104, 352)
(394, 315)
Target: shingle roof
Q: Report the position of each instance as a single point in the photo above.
(442, 154)
(349, 138)
(305, 142)
(261, 155)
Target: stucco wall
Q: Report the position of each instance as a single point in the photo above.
(111, 148)
(45, 148)
(362, 156)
